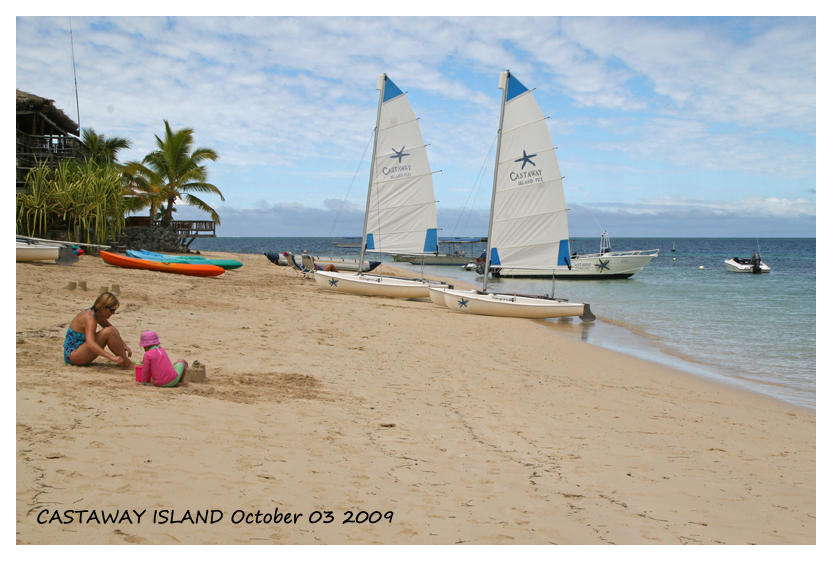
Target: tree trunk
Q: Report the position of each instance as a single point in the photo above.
(169, 212)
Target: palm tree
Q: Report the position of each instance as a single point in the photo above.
(144, 187)
(175, 169)
(102, 149)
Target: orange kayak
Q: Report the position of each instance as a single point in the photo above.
(197, 269)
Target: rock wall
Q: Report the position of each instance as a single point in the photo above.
(154, 238)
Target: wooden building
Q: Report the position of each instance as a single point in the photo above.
(44, 134)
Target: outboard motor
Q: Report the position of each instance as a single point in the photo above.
(756, 262)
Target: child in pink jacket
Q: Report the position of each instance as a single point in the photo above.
(156, 366)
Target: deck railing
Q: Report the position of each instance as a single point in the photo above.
(33, 149)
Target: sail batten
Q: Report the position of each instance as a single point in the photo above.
(401, 124)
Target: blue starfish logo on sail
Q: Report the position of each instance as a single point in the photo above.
(525, 158)
(399, 154)
(398, 170)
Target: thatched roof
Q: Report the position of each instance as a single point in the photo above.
(27, 102)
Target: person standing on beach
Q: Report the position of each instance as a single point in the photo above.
(83, 343)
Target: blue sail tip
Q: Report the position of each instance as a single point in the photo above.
(514, 87)
(391, 89)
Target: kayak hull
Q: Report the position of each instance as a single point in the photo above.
(193, 269)
(169, 258)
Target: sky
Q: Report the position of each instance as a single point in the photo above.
(665, 126)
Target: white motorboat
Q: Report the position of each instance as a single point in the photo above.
(606, 264)
(747, 265)
(457, 252)
(528, 216)
(401, 212)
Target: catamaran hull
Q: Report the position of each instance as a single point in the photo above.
(346, 265)
(512, 306)
(37, 252)
(372, 285)
(588, 266)
(437, 296)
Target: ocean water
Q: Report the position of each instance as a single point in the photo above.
(754, 331)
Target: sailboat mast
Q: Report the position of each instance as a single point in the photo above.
(503, 85)
(380, 85)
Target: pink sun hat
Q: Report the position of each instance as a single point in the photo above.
(148, 338)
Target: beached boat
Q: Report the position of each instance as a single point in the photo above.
(528, 217)
(747, 265)
(345, 264)
(35, 251)
(341, 264)
(169, 258)
(194, 269)
(401, 213)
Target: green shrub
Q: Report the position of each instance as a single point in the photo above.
(85, 196)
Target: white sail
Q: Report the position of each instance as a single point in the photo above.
(529, 218)
(401, 209)
(401, 212)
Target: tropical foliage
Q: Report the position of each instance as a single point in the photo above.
(102, 149)
(86, 197)
(175, 171)
(89, 198)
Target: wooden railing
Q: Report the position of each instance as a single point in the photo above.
(188, 231)
(34, 149)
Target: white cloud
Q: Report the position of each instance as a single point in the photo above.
(289, 102)
(752, 207)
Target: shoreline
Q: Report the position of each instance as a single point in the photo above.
(634, 341)
(470, 429)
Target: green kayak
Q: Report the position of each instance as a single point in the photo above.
(168, 258)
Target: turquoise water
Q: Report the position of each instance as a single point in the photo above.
(755, 331)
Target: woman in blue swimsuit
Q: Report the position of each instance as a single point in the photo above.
(83, 343)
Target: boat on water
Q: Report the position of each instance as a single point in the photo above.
(456, 252)
(606, 264)
(348, 242)
(527, 218)
(34, 251)
(170, 258)
(193, 269)
(747, 265)
(401, 213)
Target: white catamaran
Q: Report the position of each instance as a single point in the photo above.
(528, 217)
(401, 212)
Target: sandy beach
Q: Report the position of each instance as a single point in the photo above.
(329, 418)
